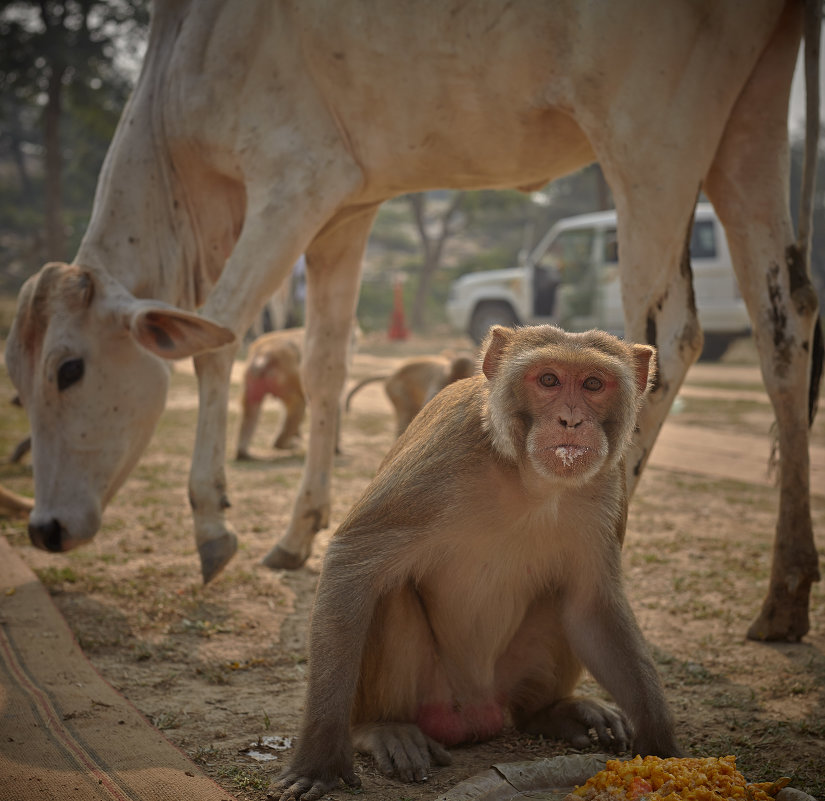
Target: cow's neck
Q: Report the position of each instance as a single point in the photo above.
(164, 219)
(151, 243)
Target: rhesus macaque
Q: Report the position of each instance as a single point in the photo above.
(416, 382)
(481, 570)
(273, 368)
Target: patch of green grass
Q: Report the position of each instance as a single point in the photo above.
(218, 675)
(204, 755)
(166, 720)
(53, 577)
(244, 778)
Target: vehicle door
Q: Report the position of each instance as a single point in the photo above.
(574, 254)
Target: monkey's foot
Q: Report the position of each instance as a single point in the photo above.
(281, 559)
(215, 555)
(573, 719)
(400, 749)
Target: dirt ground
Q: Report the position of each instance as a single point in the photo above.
(221, 669)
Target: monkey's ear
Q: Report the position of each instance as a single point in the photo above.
(493, 347)
(644, 362)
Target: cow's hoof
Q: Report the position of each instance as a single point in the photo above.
(280, 559)
(215, 555)
(779, 629)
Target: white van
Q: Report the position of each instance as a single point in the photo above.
(571, 278)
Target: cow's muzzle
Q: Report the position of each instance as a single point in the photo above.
(47, 536)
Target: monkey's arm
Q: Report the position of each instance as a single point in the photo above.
(347, 593)
(605, 636)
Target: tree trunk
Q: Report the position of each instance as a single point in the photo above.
(55, 229)
(433, 247)
(15, 145)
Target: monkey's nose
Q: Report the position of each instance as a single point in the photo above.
(47, 536)
(570, 421)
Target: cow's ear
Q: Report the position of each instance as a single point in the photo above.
(176, 334)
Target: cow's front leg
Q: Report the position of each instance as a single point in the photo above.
(216, 541)
(659, 304)
(333, 277)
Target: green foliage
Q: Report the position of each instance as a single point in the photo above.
(377, 298)
(375, 302)
(65, 72)
(496, 258)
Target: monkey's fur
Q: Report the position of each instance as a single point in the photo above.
(481, 570)
(416, 382)
(273, 368)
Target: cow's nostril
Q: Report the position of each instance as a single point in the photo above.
(47, 535)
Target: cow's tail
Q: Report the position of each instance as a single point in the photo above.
(813, 28)
(371, 380)
(817, 358)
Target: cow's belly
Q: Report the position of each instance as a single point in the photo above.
(477, 153)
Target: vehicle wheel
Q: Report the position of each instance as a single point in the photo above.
(488, 314)
(715, 347)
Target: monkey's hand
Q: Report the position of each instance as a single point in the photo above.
(400, 749)
(573, 719)
(305, 783)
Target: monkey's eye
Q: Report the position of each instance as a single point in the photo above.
(593, 384)
(70, 372)
(549, 380)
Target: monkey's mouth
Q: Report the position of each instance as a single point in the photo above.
(569, 454)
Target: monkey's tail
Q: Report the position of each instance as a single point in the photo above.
(362, 383)
(13, 504)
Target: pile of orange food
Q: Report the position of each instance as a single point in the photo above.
(689, 779)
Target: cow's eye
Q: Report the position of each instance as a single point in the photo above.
(70, 372)
(548, 380)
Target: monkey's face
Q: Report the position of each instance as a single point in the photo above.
(569, 409)
(565, 404)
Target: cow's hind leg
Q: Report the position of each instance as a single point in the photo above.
(333, 276)
(748, 186)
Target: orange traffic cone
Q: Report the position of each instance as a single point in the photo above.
(398, 329)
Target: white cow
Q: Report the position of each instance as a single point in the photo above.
(264, 129)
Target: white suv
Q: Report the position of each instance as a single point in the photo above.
(571, 278)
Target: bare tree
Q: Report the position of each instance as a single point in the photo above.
(434, 234)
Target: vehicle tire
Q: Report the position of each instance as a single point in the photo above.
(715, 347)
(486, 315)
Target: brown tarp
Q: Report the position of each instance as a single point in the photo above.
(64, 732)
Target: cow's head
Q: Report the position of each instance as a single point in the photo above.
(89, 361)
